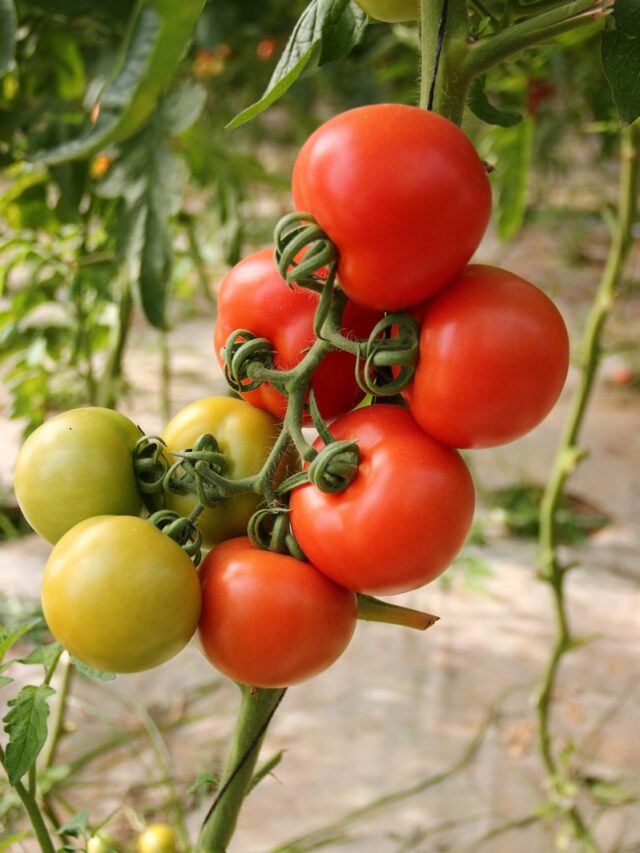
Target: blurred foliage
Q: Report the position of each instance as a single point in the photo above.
(158, 195)
(517, 507)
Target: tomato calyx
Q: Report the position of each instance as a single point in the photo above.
(304, 252)
(183, 530)
(269, 530)
(150, 465)
(243, 351)
(335, 466)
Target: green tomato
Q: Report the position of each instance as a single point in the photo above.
(157, 838)
(393, 11)
(75, 466)
(245, 435)
(101, 843)
(120, 595)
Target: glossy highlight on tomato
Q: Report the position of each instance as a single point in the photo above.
(403, 195)
(245, 435)
(269, 620)
(254, 296)
(494, 355)
(119, 594)
(404, 517)
(77, 465)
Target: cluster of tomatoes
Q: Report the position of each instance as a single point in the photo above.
(404, 200)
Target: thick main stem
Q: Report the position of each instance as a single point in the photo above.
(568, 453)
(443, 57)
(256, 710)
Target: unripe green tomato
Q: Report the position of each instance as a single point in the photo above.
(120, 595)
(245, 435)
(101, 844)
(393, 11)
(75, 466)
(157, 838)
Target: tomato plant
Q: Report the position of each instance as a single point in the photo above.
(119, 594)
(393, 11)
(254, 296)
(157, 838)
(404, 517)
(402, 194)
(494, 355)
(269, 620)
(245, 435)
(77, 465)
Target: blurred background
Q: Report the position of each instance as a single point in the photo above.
(422, 742)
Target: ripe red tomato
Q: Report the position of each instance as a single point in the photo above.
(494, 355)
(254, 296)
(402, 194)
(269, 620)
(404, 517)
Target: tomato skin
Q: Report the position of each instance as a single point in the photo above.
(392, 11)
(75, 466)
(245, 435)
(157, 838)
(404, 517)
(254, 296)
(119, 594)
(269, 620)
(494, 355)
(402, 194)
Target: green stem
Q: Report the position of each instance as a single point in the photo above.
(198, 260)
(108, 390)
(452, 79)
(256, 710)
(373, 610)
(57, 724)
(568, 453)
(493, 49)
(33, 812)
(165, 377)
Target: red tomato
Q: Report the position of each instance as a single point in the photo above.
(254, 296)
(404, 517)
(269, 620)
(402, 194)
(494, 355)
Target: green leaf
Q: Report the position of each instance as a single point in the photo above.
(149, 178)
(156, 41)
(481, 107)
(182, 107)
(90, 672)
(512, 148)
(4, 680)
(7, 843)
(203, 781)
(44, 655)
(26, 725)
(77, 825)
(268, 767)
(327, 30)
(621, 58)
(8, 26)
(9, 637)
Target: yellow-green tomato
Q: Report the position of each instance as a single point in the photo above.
(393, 11)
(101, 843)
(119, 594)
(75, 466)
(245, 435)
(157, 838)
